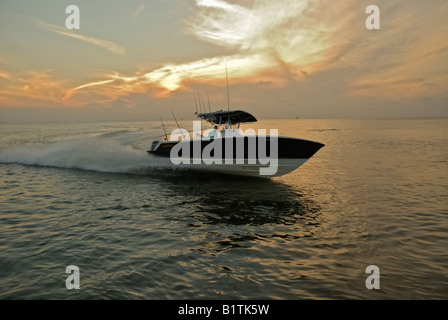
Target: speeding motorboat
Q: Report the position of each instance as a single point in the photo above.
(227, 149)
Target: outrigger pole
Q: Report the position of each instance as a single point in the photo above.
(177, 123)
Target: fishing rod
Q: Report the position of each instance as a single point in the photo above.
(208, 98)
(202, 104)
(163, 126)
(199, 99)
(195, 101)
(180, 130)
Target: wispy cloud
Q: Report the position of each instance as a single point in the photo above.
(105, 44)
(139, 10)
(5, 75)
(94, 83)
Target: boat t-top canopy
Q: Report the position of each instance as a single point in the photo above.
(227, 117)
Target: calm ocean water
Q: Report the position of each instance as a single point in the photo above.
(87, 194)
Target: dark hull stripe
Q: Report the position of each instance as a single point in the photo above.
(288, 148)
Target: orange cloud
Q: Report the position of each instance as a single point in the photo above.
(35, 87)
(5, 75)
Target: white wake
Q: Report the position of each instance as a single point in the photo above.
(95, 154)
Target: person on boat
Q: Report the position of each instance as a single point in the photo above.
(214, 133)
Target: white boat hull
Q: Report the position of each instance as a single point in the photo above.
(284, 166)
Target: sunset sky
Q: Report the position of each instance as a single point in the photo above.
(137, 58)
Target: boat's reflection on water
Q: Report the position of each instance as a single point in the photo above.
(229, 200)
(223, 213)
